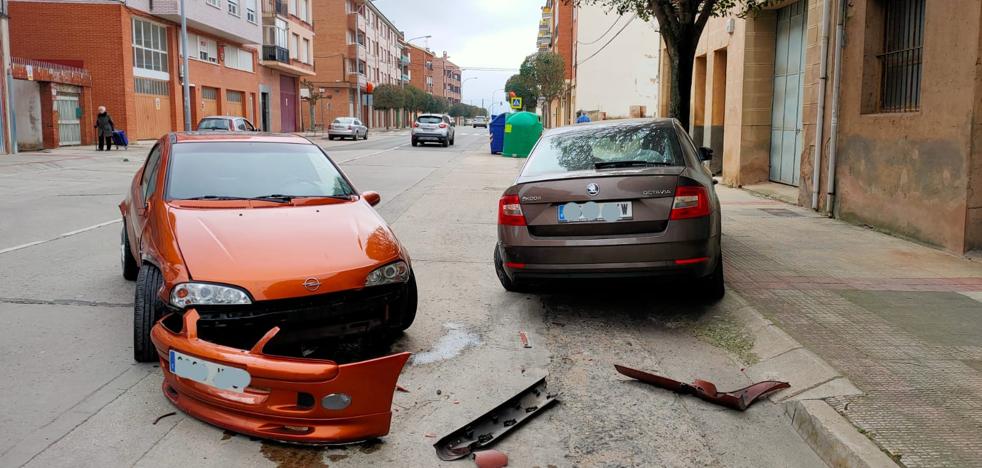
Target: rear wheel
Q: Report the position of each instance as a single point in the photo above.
(130, 269)
(147, 307)
(452, 140)
(713, 287)
(506, 282)
(445, 142)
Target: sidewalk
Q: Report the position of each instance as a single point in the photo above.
(903, 322)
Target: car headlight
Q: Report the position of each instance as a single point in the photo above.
(188, 294)
(396, 272)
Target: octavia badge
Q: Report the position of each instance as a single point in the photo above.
(311, 284)
(592, 190)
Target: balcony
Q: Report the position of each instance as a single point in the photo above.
(357, 79)
(276, 54)
(205, 19)
(278, 58)
(273, 8)
(356, 22)
(357, 52)
(404, 60)
(405, 78)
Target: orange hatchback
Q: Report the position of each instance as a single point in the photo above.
(254, 232)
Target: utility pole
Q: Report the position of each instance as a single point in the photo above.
(184, 66)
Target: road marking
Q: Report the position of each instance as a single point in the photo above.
(367, 155)
(60, 236)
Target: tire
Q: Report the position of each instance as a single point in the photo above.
(330, 138)
(452, 139)
(408, 314)
(365, 137)
(713, 287)
(147, 307)
(415, 143)
(509, 284)
(445, 143)
(130, 268)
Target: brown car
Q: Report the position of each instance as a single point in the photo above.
(619, 199)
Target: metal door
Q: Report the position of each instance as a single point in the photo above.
(288, 104)
(789, 72)
(69, 115)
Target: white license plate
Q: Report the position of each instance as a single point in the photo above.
(209, 373)
(591, 211)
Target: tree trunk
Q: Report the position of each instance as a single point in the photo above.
(682, 61)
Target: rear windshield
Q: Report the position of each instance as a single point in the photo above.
(430, 119)
(213, 124)
(604, 147)
(343, 121)
(248, 169)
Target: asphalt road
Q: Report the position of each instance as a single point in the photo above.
(73, 397)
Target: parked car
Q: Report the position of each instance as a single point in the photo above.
(222, 123)
(347, 127)
(612, 199)
(480, 121)
(433, 127)
(255, 231)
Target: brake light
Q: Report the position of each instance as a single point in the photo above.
(348, 127)
(510, 211)
(691, 201)
(443, 125)
(416, 124)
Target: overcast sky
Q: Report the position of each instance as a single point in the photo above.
(475, 33)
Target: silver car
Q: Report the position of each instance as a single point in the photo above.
(347, 127)
(226, 123)
(434, 128)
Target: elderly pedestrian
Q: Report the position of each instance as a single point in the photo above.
(104, 128)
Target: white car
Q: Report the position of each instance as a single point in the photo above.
(347, 127)
(434, 128)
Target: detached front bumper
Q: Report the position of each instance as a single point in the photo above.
(286, 399)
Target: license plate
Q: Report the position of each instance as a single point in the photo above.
(591, 211)
(209, 373)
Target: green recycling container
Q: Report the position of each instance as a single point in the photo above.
(522, 130)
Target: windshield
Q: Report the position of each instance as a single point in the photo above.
(429, 119)
(344, 121)
(213, 124)
(605, 147)
(249, 170)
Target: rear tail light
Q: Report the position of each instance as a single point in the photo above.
(510, 211)
(691, 201)
(348, 127)
(416, 124)
(443, 125)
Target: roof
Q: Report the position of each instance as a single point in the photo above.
(179, 137)
(659, 122)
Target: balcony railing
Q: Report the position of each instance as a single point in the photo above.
(276, 54)
(275, 8)
(404, 60)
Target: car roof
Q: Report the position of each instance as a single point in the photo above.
(181, 137)
(223, 117)
(620, 123)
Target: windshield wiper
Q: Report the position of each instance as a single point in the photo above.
(629, 163)
(269, 198)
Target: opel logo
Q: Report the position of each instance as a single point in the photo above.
(311, 284)
(592, 190)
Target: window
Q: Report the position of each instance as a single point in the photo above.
(305, 51)
(233, 7)
(250, 6)
(148, 86)
(210, 94)
(304, 10)
(149, 182)
(292, 8)
(202, 48)
(213, 3)
(295, 46)
(234, 96)
(362, 67)
(239, 59)
(894, 55)
(623, 144)
(149, 46)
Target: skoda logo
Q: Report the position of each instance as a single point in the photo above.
(592, 190)
(311, 284)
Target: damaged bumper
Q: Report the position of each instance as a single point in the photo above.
(275, 397)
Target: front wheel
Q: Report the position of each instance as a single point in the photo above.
(366, 136)
(147, 307)
(415, 143)
(408, 304)
(445, 143)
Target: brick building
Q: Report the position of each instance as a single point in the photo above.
(421, 67)
(357, 45)
(446, 78)
(133, 56)
(286, 59)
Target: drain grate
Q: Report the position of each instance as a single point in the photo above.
(781, 212)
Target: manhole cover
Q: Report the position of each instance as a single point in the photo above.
(782, 212)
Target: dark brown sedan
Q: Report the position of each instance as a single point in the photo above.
(617, 199)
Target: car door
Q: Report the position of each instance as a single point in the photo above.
(362, 129)
(139, 209)
(240, 125)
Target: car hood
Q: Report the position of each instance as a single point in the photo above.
(271, 252)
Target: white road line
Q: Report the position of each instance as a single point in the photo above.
(60, 236)
(366, 155)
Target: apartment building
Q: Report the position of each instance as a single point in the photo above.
(421, 67)
(286, 59)
(446, 78)
(132, 51)
(362, 47)
(902, 150)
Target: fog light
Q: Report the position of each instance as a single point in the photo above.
(336, 401)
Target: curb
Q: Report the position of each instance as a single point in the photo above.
(829, 434)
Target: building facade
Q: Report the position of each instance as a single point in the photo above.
(359, 47)
(134, 55)
(896, 143)
(421, 66)
(446, 79)
(8, 137)
(286, 59)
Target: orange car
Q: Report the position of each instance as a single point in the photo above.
(235, 238)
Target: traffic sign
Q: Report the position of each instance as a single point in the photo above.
(516, 103)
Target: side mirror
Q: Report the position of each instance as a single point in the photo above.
(705, 154)
(373, 198)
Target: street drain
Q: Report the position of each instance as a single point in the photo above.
(780, 212)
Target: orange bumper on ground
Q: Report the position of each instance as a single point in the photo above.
(287, 399)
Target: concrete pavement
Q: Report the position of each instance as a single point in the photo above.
(74, 398)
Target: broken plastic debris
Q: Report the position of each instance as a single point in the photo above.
(737, 399)
(486, 429)
(490, 459)
(525, 339)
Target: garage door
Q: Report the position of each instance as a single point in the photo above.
(69, 126)
(152, 109)
(236, 103)
(288, 104)
(789, 71)
(209, 102)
